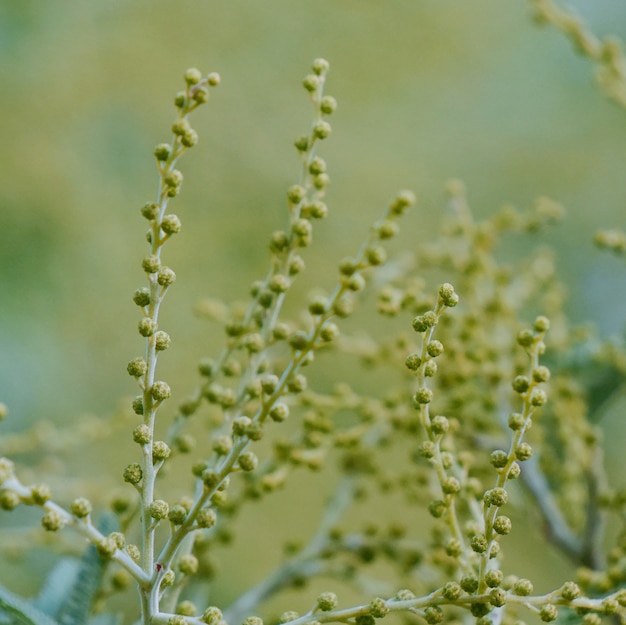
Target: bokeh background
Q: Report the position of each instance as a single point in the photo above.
(427, 90)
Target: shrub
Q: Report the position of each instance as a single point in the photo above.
(479, 357)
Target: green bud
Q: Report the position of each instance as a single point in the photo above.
(160, 391)
(327, 601)
(81, 508)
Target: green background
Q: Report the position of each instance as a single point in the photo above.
(427, 90)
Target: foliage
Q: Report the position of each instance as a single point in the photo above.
(473, 403)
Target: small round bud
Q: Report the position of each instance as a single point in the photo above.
(296, 265)
(162, 152)
(200, 94)
(421, 323)
(297, 384)
(401, 202)
(138, 405)
(413, 362)
(516, 421)
(141, 297)
(437, 508)
(317, 166)
(206, 518)
(137, 367)
(160, 391)
(279, 412)
(496, 497)
(318, 305)
(379, 608)
(320, 66)
(269, 383)
(376, 255)
(522, 587)
(523, 452)
(469, 583)
(322, 130)
(151, 264)
(248, 461)
(548, 612)
(434, 348)
(502, 525)
(494, 578)
(222, 445)
(214, 79)
(189, 139)
(451, 591)
(302, 228)
(161, 340)
(150, 210)
(158, 509)
(106, 547)
(521, 384)
(193, 76)
(212, 616)
(541, 374)
(142, 434)
(329, 332)
(147, 327)
(538, 397)
(328, 105)
(423, 396)
(177, 514)
(40, 494)
(388, 229)
(433, 615)
(174, 178)
(450, 486)
(302, 143)
(497, 598)
(133, 473)
(188, 564)
(52, 521)
(479, 543)
(81, 508)
(311, 83)
(440, 425)
(299, 340)
(295, 194)
(279, 283)
(430, 368)
(160, 451)
(542, 324)
(525, 338)
(170, 224)
(327, 601)
(447, 295)
(166, 276)
(498, 458)
(570, 591)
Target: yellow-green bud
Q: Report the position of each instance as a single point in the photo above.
(379, 608)
(158, 509)
(40, 494)
(248, 461)
(188, 564)
(206, 518)
(166, 276)
(327, 601)
(160, 451)
(160, 390)
(137, 367)
(162, 153)
(52, 521)
(81, 508)
(133, 473)
(548, 612)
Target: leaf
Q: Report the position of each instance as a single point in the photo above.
(22, 611)
(57, 586)
(76, 607)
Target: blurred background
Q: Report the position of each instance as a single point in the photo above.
(427, 90)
